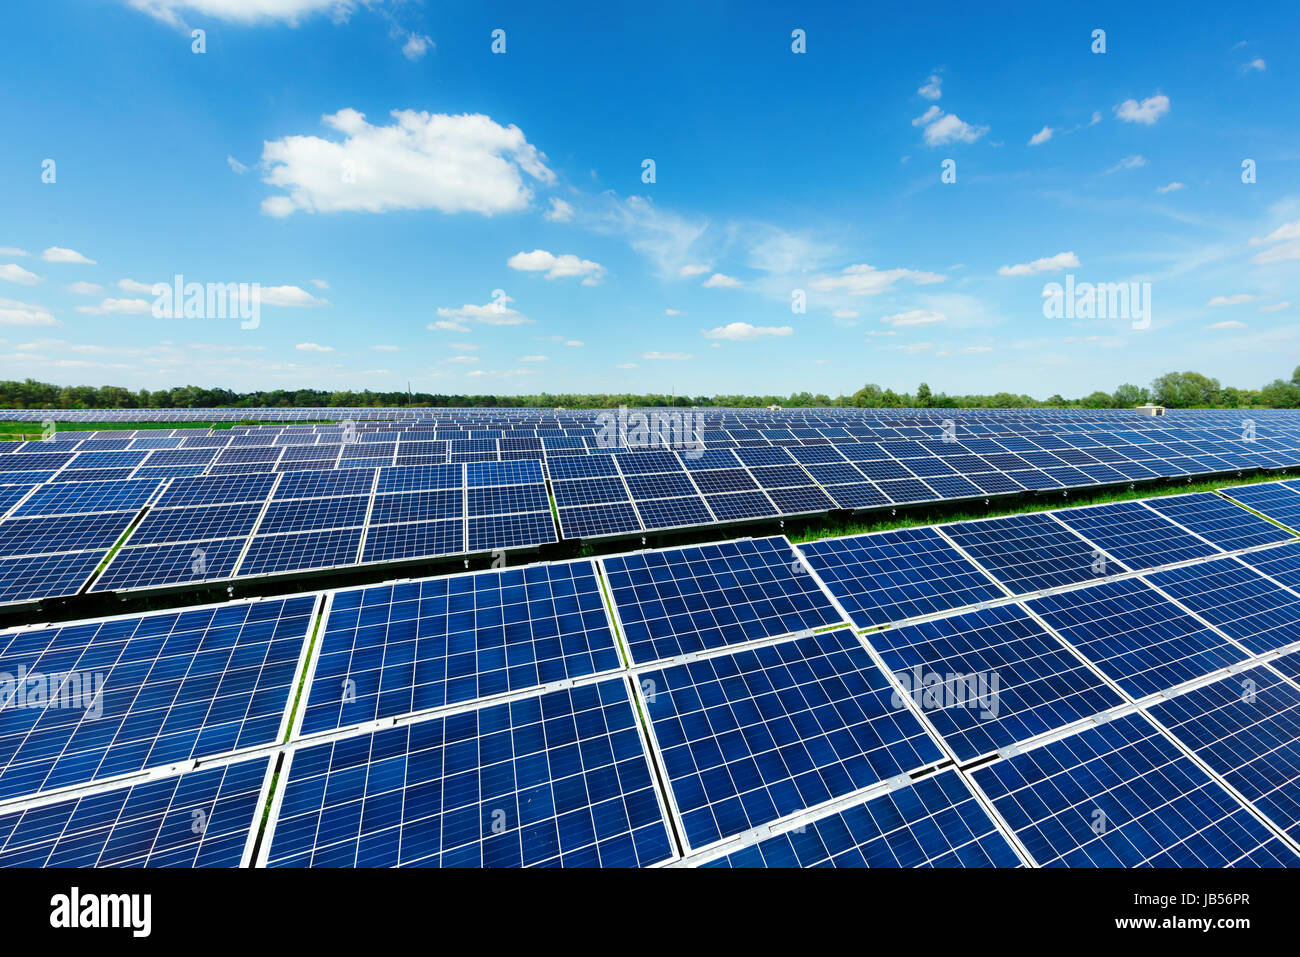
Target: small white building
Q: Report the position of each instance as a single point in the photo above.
(1150, 410)
(774, 408)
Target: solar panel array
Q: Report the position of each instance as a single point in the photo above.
(437, 483)
(915, 697)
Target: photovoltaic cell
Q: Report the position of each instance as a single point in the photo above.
(1029, 552)
(145, 566)
(1273, 499)
(390, 543)
(146, 691)
(271, 554)
(707, 596)
(394, 649)
(1281, 563)
(1240, 602)
(753, 735)
(1136, 535)
(31, 579)
(151, 824)
(890, 576)
(933, 822)
(1216, 519)
(1136, 637)
(556, 779)
(1157, 807)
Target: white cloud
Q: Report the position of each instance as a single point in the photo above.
(626, 365)
(1067, 260)
(914, 317)
(1133, 161)
(574, 343)
(313, 347)
(975, 350)
(845, 314)
(139, 288)
(1284, 252)
(238, 167)
(534, 359)
(387, 348)
(929, 116)
(557, 267)
(14, 313)
(1285, 231)
(912, 348)
(693, 269)
(664, 238)
(15, 273)
(1170, 188)
(1230, 324)
(1257, 64)
(667, 356)
(416, 46)
(672, 312)
(1042, 136)
(864, 280)
(1275, 307)
(463, 360)
(85, 288)
(496, 313)
(444, 325)
(464, 346)
(1235, 300)
(560, 211)
(454, 164)
(720, 281)
(247, 11)
(950, 129)
(744, 332)
(13, 251)
(293, 296)
(1146, 112)
(58, 254)
(118, 307)
(931, 89)
(320, 283)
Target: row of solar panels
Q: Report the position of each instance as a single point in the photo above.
(55, 537)
(1131, 716)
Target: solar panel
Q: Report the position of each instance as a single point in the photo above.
(394, 649)
(1227, 525)
(60, 533)
(556, 779)
(490, 532)
(148, 566)
(931, 822)
(32, 578)
(1138, 536)
(690, 599)
(135, 692)
(300, 551)
(1030, 552)
(83, 497)
(991, 678)
(1123, 795)
(1257, 613)
(1274, 499)
(1136, 637)
(1247, 728)
(1281, 564)
(196, 523)
(201, 818)
(302, 515)
(216, 490)
(752, 735)
(891, 576)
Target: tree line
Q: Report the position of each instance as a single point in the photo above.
(1176, 390)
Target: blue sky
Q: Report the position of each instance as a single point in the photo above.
(381, 173)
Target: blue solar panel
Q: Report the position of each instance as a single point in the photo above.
(486, 533)
(800, 501)
(388, 543)
(593, 521)
(393, 649)
(735, 506)
(201, 818)
(707, 596)
(1136, 535)
(79, 497)
(756, 734)
(1213, 518)
(1123, 795)
(1281, 564)
(146, 691)
(31, 579)
(303, 515)
(557, 779)
(518, 472)
(1245, 605)
(1247, 728)
(271, 554)
(1030, 552)
(1274, 499)
(674, 512)
(659, 485)
(991, 678)
(216, 490)
(413, 478)
(932, 822)
(890, 576)
(506, 499)
(1136, 637)
(195, 523)
(325, 484)
(61, 533)
(145, 566)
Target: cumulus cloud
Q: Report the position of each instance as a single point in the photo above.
(534, 358)
(1257, 65)
(58, 254)
(454, 164)
(14, 313)
(85, 288)
(247, 11)
(1146, 112)
(1275, 307)
(865, 280)
(932, 88)
(557, 267)
(13, 251)
(293, 296)
(744, 332)
(560, 211)
(131, 285)
(720, 281)
(118, 307)
(693, 269)
(499, 312)
(416, 46)
(943, 128)
(1042, 136)
(16, 273)
(914, 317)
(1067, 260)
(313, 347)
(1238, 299)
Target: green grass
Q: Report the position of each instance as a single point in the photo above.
(912, 519)
(17, 431)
